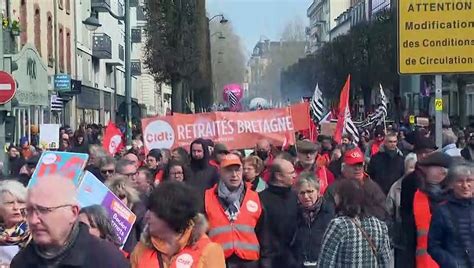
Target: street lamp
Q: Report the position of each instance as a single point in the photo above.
(92, 23)
(221, 35)
(223, 19)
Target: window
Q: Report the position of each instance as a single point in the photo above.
(61, 47)
(68, 6)
(37, 25)
(68, 52)
(24, 21)
(49, 37)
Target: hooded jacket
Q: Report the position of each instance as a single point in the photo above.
(212, 255)
(203, 176)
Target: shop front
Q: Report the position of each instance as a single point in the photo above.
(30, 106)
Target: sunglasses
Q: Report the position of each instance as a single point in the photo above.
(107, 171)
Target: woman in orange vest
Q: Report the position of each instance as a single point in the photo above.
(175, 234)
(236, 218)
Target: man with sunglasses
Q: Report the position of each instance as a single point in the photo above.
(59, 240)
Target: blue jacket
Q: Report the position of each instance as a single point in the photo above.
(451, 241)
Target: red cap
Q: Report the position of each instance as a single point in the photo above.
(354, 156)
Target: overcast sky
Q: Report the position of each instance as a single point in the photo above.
(253, 19)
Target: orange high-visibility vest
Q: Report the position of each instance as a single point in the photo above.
(422, 213)
(188, 257)
(237, 237)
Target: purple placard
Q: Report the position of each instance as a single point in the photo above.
(121, 217)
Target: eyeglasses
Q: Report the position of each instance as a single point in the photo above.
(107, 171)
(40, 210)
(130, 174)
(308, 192)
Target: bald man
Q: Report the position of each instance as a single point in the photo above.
(59, 240)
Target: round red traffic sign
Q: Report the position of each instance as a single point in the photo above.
(7, 87)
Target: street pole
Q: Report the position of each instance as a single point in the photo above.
(3, 112)
(438, 112)
(128, 77)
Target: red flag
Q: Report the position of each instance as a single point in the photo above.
(343, 103)
(113, 141)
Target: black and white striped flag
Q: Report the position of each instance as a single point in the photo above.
(317, 105)
(232, 98)
(377, 117)
(57, 103)
(350, 127)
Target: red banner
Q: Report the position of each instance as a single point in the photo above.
(235, 130)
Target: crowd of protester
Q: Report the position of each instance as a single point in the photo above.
(393, 200)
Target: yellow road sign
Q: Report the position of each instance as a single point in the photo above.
(439, 104)
(435, 36)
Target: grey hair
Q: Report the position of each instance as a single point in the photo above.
(411, 157)
(449, 137)
(459, 170)
(108, 160)
(14, 188)
(307, 178)
(121, 164)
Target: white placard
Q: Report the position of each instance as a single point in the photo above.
(49, 136)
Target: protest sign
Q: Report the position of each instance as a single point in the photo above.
(69, 165)
(235, 130)
(49, 136)
(91, 191)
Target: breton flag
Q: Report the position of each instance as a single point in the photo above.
(57, 103)
(344, 120)
(232, 98)
(349, 126)
(316, 106)
(377, 117)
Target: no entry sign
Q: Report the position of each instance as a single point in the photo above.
(7, 87)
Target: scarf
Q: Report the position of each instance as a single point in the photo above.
(18, 235)
(231, 199)
(309, 214)
(55, 256)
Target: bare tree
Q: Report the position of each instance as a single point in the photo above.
(227, 57)
(282, 55)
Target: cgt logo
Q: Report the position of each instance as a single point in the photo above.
(159, 134)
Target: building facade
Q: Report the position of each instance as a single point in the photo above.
(42, 47)
(322, 16)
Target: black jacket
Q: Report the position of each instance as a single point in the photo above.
(468, 154)
(281, 205)
(87, 251)
(452, 234)
(385, 169)
(203, 175)
(308, 238)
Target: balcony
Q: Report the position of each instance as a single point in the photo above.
(136, 35)
(100, 5)
(136, 67)
(102, 46)
(121, 51)
(141, 13)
